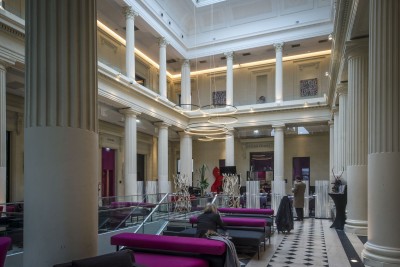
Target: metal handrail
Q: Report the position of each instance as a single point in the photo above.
(151, 213)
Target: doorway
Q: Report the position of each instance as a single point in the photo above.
(140, 161)
(301, 167)
(262, 164)
(108, 172)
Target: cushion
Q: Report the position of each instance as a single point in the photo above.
(122, 258)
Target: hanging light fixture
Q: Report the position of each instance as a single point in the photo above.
(222, 119)
(205, 129)
(187, 108)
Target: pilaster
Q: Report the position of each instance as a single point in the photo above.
(130, 15)
(162, 42)
(229, 77)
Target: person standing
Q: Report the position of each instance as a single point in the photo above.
(298, 200)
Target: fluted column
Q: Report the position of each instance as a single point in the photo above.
(3, 133)
(185, 85)
(163, 184)
(331, 147)
(278, 73)
(383, 246)
(230, 149)
(61, 125)
(186, 156)
(357, 141)
(130, 149)
(229, 78)
(130, 15)
(342, 131)
(163, 67)
(335, 111)
(279, 151)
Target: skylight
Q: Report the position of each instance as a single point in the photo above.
(201, 3)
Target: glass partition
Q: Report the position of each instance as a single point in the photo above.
(12, 224)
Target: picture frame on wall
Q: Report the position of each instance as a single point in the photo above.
(219, 98)
(309, 87)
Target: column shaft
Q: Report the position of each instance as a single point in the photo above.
(61, 125)
(229, 78)
(130, 42)
(186, 150)
(279, 152)
(163, 184)
(278, 73)
(230, 150)
(335, 140)
(357, 141)
(3, 132)
(331, 147)
(130, 149)
(383, 246)
(163, 67)
(185, 85)
(342, 132)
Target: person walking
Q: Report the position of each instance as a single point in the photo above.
(298, 200)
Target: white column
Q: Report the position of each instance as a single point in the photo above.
(230, 149)
(357, 138)
(163, 184)
(278, 73)
(383, 246)
(342, 131)
(61, 125)
(279, 151)
(3, 133)
(185, 85)
(229, 78)
(130, 149)
(335, 111)
(130, 15)
(331, 147)
(186, 156)
(163, 67)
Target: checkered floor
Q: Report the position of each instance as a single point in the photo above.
(303, 247)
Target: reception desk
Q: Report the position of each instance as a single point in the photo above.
(340, 200)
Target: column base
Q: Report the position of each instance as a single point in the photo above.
(356, 227)
(379, 256)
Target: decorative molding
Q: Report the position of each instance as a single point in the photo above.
(109, 44)
(12, 31)
(269, 144)
(8, 56)
(308, 65)
(162, 42)
(229, 55)
(130, 13)
(279, 46)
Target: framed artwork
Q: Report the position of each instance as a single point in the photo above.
(219, 98)
(309, 87)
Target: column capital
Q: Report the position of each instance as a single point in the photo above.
(229, 55)
(183, 134)
(185, 62)
(279, 46)
(331, 123)
(278, 126)
(358, 47)
(162, 42)
(129, 12)
(162, 125)
(129, 112)
(334, 110)
(341, 88)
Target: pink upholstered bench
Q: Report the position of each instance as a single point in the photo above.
(158, 244)
(232, 221)
(269, 212)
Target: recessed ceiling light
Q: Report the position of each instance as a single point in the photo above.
(353, 260)
(256, 131)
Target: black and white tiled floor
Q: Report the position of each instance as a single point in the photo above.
(311, 243)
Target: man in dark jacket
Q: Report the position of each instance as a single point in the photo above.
(298, 200)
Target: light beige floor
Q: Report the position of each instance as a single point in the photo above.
(334, 250)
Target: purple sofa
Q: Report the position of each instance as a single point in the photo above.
(157, 251)
(268, 212)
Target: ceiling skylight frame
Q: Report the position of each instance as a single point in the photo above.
(202, 3)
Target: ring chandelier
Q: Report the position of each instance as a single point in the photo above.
(218, 110)
(187, 108)
(222, 119)
(205, 129)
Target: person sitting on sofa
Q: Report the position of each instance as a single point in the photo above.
(209, 221)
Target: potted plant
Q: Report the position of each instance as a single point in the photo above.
(203, 182)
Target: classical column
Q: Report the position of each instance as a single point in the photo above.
(185, 85)
(3, 133)
(61, 132)
(335, 111)
(278, 73)
(186, 156)
(229, 78)
(163, 184)
(331, 147)
(357, 138)
(130, 149)
(279, 151)
(130, 15)
(163, 67)
(342, 131)
(230, 149)
(383, 245)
